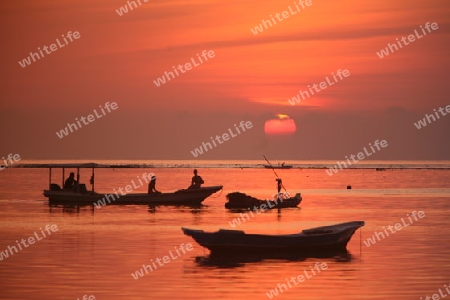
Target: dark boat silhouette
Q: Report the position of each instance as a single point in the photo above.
(237, 200)
(80, 195)
(179, 197)
(237, 242)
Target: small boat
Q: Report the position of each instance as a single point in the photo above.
(237, 242)
(237, 200)
(179, 197)
(81, 195)
(282, 166)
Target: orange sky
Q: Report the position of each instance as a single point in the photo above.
(251, 77)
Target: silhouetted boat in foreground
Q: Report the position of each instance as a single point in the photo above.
(237, 200)
(237, 242)
(80, 195)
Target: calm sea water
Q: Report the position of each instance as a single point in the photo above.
(95, 251)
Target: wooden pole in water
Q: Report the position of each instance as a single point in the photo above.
(360, 242)
(78, 179)
(92, 179)
(49, 177)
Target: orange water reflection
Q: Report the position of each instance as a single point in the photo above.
(95, 252)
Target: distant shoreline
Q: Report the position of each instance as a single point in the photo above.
(377, 167)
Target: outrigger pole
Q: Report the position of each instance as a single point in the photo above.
(282, 185)
(49, 178)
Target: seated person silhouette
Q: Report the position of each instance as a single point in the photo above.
(152, 186)
(70, 181)
(197, 181)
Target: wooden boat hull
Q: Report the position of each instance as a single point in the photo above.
(235, 242)
(238, 200)
(180, 197)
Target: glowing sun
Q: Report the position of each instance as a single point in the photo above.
(282, 125)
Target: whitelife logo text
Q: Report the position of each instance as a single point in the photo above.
(411, 38)
(398, 226)
(323, 85)
(71, 36)
(423, 123)
(284, 15)
(360, 156)
(187, 66)
(31, 240)
(225, 137)
(86, 120)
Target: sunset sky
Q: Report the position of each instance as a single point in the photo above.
(250, 78)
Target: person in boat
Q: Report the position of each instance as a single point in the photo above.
(279, 184)
(152, 186)
(197, 181)
(70, 181)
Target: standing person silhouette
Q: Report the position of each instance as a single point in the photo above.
(279, 184)
(197, 181)
(152, 185)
